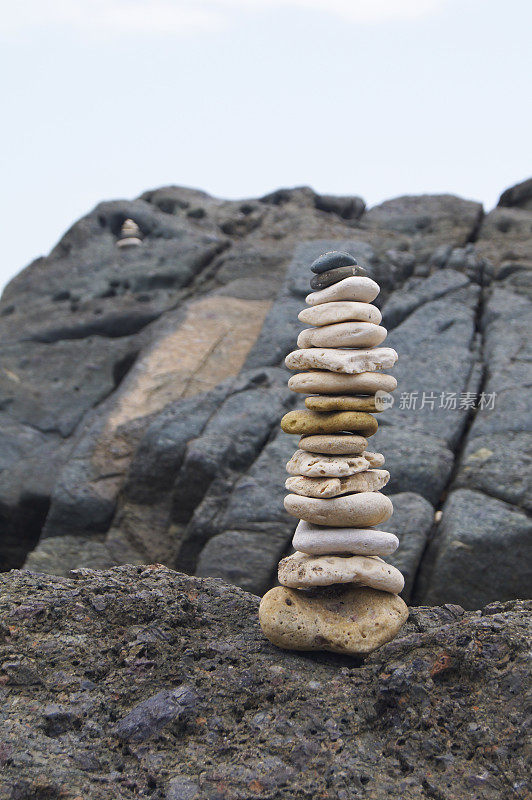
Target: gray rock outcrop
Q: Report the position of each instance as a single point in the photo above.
(143, 682)
(141, 388)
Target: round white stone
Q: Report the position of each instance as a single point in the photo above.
(357, 287)
(360, 510)
(320, 540)
(343, 334)
(342, 311)
(349, 362)
(320, 382)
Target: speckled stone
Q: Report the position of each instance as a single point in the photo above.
(343, 334)
(332, 260)
(342, 311)
(303, 571)
(341, 403)
(319, 466)
(321, 382)
(357, 288)
(369, 481)
(349, 511)
(352, 620)
(307, 422)
(375, 460)
(332, 276)
(334, 444)
(320, 540)
(348, 362)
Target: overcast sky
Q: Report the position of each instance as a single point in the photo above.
(104, 99)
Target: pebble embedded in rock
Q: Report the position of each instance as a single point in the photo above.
(369, 481)
(332, 260)
(342, 311)
(317, 466)
(303, 571)
(334, 444)
(357, 288)
(341, 403)
(318, 381)
(332, 276)
(349, 362)
(349, 511)
(351, 620)
(343, 334)
(307, 422)
(321, 540)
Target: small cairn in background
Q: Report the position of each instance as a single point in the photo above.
(130, 235)
(337, 593)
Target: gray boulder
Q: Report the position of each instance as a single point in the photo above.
(481, 553)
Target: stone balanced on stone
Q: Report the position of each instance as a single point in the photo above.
(337, 593)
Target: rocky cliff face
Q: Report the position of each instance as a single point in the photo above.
(142, 682)
(141, 388)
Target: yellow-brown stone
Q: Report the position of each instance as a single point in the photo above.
(309, 422)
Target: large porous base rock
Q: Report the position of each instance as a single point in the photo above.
(80, 655)
(353, 621)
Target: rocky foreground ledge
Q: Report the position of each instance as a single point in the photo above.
(144, 682)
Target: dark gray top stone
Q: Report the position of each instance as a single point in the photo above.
(334, 275)
(332, 260)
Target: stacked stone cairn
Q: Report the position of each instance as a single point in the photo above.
(337, 593)
(130, 235)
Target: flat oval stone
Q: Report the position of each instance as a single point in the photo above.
(318, 540)
(341, 403)
(342, 311)
(352, 620)
(321, 382)
(343, 334)
(303, 571)
(349, 362)
(317, 466)
(334, 275)
(338, 444)
(332, 260)
(350, 511)
(358, 288)
(306, 422)
(369, 481)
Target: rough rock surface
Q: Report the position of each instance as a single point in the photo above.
(143, 682)
(141, 388)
